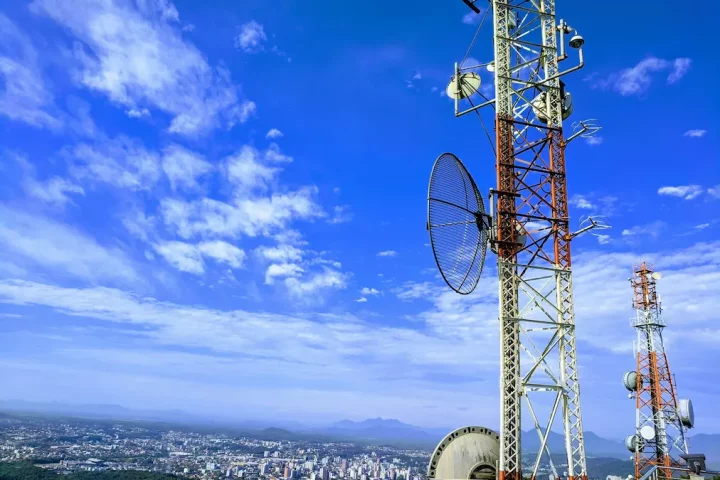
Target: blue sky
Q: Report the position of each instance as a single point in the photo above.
(222, 209)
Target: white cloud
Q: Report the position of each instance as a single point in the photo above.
(367, 292)
(45, 245)
(183, 167)
(651, 229)
(695, 133)
(257, 206)
(702, 226)
(281, 253)
(594, 141)
(417, 76)
(273, 155)
(361, 300)
(387, 253)
(636, 80)
(603, 239)
(223, 252)
(714, 191)
(183, 256)
(139, 60)
(251, 38)
(282, 270)
(687, 192)
(247, 173)
(189, 258)
(308, 289)
(24, 97)
(341, 214)
(137, 112)
(680, 68)
(274, 133)
(336, 190)
(54, 191)
(413, 291)
(580, 201)
(120, 162)
(472, 18)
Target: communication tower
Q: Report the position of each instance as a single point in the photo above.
(528, 226)
(660, 420)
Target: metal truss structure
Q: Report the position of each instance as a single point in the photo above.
(532, 233)
(660, 432)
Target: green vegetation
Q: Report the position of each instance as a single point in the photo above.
(27, 471)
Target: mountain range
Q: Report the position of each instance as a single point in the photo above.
(375, 430)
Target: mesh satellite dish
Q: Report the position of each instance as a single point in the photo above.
(457, 224)
(463, 86)
(466, 453)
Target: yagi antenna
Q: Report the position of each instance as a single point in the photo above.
(589, 223)
(585, 129)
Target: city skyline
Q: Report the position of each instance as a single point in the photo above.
(231, 218)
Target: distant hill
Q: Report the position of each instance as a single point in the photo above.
(594, 445)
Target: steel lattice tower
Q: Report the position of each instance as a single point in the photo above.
(535, 278)
(657, 412)
(531, 228)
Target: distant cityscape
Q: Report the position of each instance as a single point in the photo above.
(70, 445)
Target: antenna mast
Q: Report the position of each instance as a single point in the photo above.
(528, 227)
(661, 420)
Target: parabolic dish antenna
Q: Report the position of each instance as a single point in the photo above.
(467, 453)
(457, 224)
(656, 275)
(467, 86)
(687, 414)
(647, 433)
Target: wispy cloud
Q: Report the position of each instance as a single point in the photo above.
(695, 133)
(139, 60)
(580, 201)
(24, 96)
(636, 80)
(251, 38)
(687, 192)
(594, 141)
(45, 245)
(273, 133)
(387, 253)
(651, 229)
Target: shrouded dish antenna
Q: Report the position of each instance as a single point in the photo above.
(467, 85)
(632, 443)
(466, 453)
(686, 413)
(647, 433)
(457, 224)
(540, 108)
(656, 275)
(630, 380)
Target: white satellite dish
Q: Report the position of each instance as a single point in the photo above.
(647, 432)
(490, 67)
(469, 85)
(656, 275)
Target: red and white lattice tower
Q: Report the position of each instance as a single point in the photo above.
(661, 419)
(539, 383)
